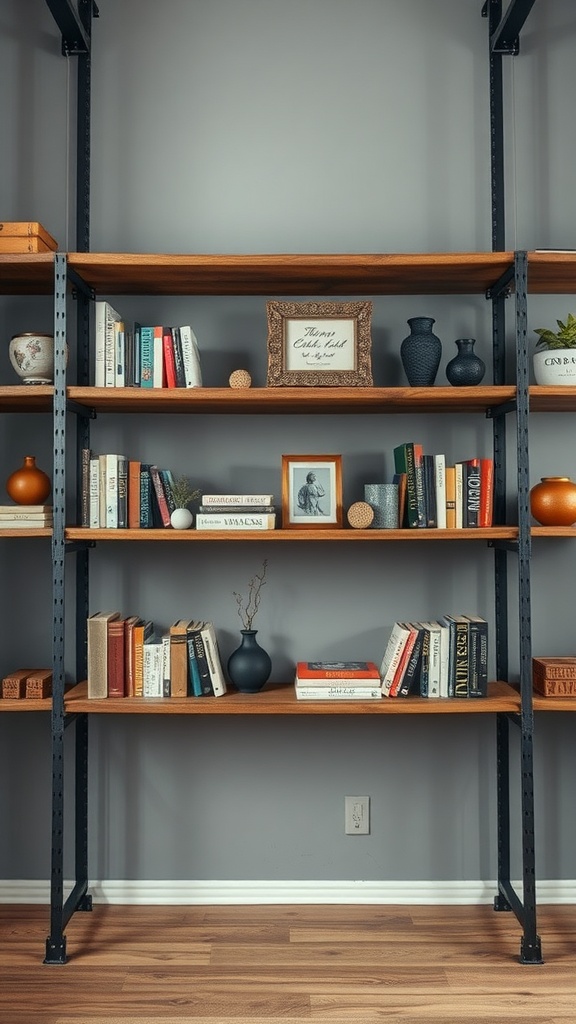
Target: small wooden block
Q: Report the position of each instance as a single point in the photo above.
(14, 685)
(554, 677)
(240, 379)
(39, 684)
(360, 515)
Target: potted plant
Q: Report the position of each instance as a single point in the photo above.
(555, 355)
(183, 494)
(249, 666)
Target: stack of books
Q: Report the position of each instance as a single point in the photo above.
(129, 657)
(337, 680)
(130, 355)
(447, 657)
(25, 517)
(435, 494)
(236, 512)
(120, 493)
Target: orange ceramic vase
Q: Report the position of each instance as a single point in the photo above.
(28, 485)
(553, 501)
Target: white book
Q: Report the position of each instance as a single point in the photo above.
(235, 521)
(166, 665)
(102, 489)
(237, 499)
(190, 358)
(392, 655)
(158, 358)
(440, 487)
(434, 630)
(152, 668)
(28, 517)
(444, 659)
(111, 483)
(97, 635)
(105, 316)
(338, 693)
(26, 524)
(208, 634)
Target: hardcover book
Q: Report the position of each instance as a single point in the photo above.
(142, 632)
(105, 319)
(210, 640)
(179, 658)
(478, 656)
(190, 357)
(195, 633)
(353, 692)
(237, 499)
(392, 655)
(134, 467)
(337, 673)
(408, 460)
(97, 628)
(486, 492)
(235, 521)
(129, 667)
(160, 495)
(116, 658)
(405, 655)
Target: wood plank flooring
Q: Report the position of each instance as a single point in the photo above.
(287, 964)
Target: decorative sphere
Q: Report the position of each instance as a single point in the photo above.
(181, 519)
(360, 515)
(553, 501)
(240, 379)
(28, 485)
(32, 357)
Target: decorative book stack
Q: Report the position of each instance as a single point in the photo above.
(447, 657)
(236, 512)
(337, 680)
(554, 677)
(26, 517)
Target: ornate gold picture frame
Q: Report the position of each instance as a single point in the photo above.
(319, 344)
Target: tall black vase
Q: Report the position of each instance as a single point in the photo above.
(249, 666)
(466, 368)
(420, 352)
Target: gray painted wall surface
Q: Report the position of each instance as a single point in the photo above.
(262, 125)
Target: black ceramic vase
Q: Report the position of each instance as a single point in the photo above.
(249, 666)
(420, 352)
(466, 368)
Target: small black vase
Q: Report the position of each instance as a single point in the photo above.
(249, 666)
(466, 368)
(420, 352)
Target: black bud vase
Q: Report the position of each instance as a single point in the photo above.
(420, 352)
(466, 368)
(249, 666)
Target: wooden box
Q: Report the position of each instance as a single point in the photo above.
(554, 677)
(39, 684)
(25, 236)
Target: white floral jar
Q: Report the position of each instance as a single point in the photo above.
(32, 357)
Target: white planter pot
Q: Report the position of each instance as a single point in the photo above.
(181, 519)
(555, 366)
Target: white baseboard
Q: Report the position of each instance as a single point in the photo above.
(285, 892)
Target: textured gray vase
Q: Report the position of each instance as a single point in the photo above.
(383, 499)
(466, 368)
(420, 352)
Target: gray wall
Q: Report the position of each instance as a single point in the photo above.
(314, 126)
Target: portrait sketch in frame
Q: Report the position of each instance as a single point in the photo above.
(311, 491)
(319, 344)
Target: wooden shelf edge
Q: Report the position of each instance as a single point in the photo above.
(280, 699)
(25, 704)
(79, 533)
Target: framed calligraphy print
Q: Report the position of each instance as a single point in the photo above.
(319, 344)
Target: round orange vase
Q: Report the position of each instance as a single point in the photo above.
(553, 501)
(28, 485)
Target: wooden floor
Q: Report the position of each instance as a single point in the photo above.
(256, 965)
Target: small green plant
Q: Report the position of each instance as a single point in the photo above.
(183, 492)
(564, 337)
(247, 611)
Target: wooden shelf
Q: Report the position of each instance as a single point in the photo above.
(552, 273)
(79, 533)
(541, 703)
(44, 531)
(280, 699)
(292, 400)
(291, 274)
(27, 273)
(25, 704)
(553, 531)
(552, 399)
(26, 397)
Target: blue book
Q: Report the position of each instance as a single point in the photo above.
(193, 670)
(146, 357)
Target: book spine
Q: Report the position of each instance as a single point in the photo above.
(167, 481)
(158, 378)
(405, 462)
(169, 361)
(217, 679)
(461, 658)
(178, 659)
(440, 489)
(160, 496)
(134, 494)
(392, 655)
(178, 358)
(145, 497)
(166, 666)
(116, 658)
(193, 671)
(403, 662)
(110, 348)
(146, 356)
(244, 509)
(97, 635)
(122, 492)
(235, 521)
(339, 693)
(85, 487)
(450, 497)
(137, 355)
(429, 483)
(99, 342)
(111, 493)
(201, 661)
(472, 469)
(458, 496)
(411, 678)
(190, 358)
(237, 499)
(486, 492)
(152, 668)
(94, 521)
(119, 355)
(478, 655)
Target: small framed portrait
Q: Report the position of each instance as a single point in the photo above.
(319, 344)
(311, 491)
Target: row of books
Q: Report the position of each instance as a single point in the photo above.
(137, 356)
(26, 517)
(120, 493)
(434, 494)
(129, 657)
(447, 657)
(236, 512)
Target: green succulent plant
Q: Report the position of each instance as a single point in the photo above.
(564, 337)
(183, 492)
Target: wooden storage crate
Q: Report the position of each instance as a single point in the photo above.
(25, 236)
(554, 677)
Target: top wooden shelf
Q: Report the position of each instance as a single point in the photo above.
(295, 274)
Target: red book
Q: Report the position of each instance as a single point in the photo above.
(486, 492)
(403, 663)
(333, 671)
(169, 360)
(116, 658)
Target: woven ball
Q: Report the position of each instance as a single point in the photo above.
(240, 379)
(360, 515)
